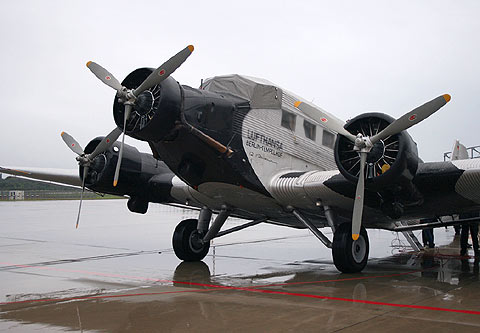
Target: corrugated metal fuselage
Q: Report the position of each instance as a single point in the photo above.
(231, 111)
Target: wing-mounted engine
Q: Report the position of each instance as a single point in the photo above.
(391, 160)
(102, 168)
(144, 179)
(390, 165)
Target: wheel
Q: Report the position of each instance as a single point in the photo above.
(349, 256)
(186, 242)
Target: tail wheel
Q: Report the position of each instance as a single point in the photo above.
(187, 241)
(350, 256)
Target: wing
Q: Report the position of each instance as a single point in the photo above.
(62, 176)
(440, 188)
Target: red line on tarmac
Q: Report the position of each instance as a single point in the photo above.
(218, 287)
(365, 301)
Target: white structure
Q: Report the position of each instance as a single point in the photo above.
(16, 195)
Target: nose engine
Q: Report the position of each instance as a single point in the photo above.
(154, 112)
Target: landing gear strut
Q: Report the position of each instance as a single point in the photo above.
(191, 238)
(349, 256)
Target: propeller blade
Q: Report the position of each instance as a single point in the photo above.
(128, 109)
(358, 205)
(72, 143)
(104, 75)
(85, 172)
(106, 143)
(324, 119)
(162, 72)
(412, 118)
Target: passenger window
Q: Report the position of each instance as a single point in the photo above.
(288, 120)
(310, 130)
(328, 139)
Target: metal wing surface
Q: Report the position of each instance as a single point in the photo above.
(61, 176)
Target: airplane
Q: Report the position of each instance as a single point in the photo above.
(243, 147)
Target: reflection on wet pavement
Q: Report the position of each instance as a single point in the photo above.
(118, 273)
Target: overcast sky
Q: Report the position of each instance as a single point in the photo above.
(348, 57)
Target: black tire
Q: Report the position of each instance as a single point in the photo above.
(349, 256)
(184, 244)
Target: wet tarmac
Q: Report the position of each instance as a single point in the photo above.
(118, 272)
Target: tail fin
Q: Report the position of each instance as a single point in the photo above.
(459, 152)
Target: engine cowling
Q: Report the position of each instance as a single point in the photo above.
(142, 177)
(155, 111)
(391, 164)
(101, 171)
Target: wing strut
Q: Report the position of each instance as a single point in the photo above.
(312, 228)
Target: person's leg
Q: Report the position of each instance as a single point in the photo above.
(432, 239)
(464, 239)
(424, 237)
(457, 229)
(474, 232)
(429, 238)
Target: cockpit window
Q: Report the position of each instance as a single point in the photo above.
(310, 130)
(288, 120)
(328, 139)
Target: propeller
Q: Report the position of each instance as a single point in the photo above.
(165, 70)
(129, 96)
(104, 76)
(77, 149)
(128, 109)
(86, 159)
(85, 172)
(72, 143)
(364, 144)
(322, 118)
(358, 205)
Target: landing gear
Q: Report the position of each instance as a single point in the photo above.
(349, 256)
(187, 241)
(191, 238)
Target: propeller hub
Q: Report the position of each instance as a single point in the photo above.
(83, 160)
(362, 143)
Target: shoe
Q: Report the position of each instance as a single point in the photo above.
(463, 252)
(469, 246)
